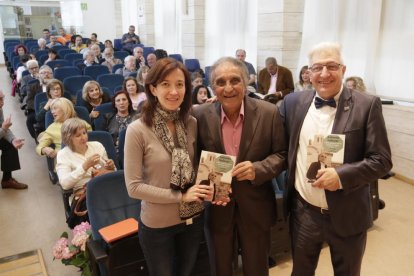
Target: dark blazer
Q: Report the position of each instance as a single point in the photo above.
(263, 143)
(367, 155)
(284, 81)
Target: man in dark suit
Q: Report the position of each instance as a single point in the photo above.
(336, 208)
(251, 130)
(275, 79)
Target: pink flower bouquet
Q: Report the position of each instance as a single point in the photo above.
(74, 253)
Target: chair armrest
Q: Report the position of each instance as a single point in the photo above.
(97, 253)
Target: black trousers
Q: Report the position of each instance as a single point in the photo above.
(9, 156)
(310, 230)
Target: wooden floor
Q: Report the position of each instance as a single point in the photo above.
(34, 218)
(23, 264)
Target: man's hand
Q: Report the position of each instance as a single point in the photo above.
(327, 179)
(6, 123)
(18, 143)
(244, 171)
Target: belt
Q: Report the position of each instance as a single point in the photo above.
(314, 208)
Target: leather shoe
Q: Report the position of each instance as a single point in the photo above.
(12, 184)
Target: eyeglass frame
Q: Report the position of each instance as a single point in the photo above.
(325, 65)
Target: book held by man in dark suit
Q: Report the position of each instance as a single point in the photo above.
(215, 169)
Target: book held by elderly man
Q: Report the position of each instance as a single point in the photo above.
(215, 170)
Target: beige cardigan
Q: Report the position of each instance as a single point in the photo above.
(148, 172)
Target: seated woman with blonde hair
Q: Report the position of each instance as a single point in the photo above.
(77, 161)
(62, 109)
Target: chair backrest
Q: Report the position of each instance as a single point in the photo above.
(177, 57)
(121, 145)
(81, 111)
(108, 201)
(192, 64)
(63, 52)
(147, 51)
(16, 62)
(121, 55)
(75, 83)
(43, 58)
(73, 56)
(118, 88)
(116, 67)
(110, 81)
(40, 53)
(66, 71)
(58, 63)
(95, 70)
(25, 73)
(207, 72)
(57, 48)
(38, 99)
(99, 122)
(117, 44)
(105, 138)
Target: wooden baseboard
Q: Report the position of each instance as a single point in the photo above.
(404, 178)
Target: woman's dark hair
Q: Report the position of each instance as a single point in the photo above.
(195, 93)
(51, 50)
(25, 58)
(304, 68)
(126, 80)
(130, 108)
(17, 47)
(157, 73)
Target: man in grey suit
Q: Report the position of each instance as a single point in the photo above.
(336, 208)
(251, 130)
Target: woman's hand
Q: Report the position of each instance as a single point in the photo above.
(198, 193)
(109, 164)
(47, 105)
(50, 152)
(91, 161)
(94, 114)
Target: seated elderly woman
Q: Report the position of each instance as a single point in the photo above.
(122, 116)
(54, 90)
(62, 109)
(77, 161)
(129, 67)
(93, 96)
(88, 60)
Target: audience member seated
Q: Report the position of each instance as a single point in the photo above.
(46, 35)
(94, 39)
(45, 76)
(241, 55)
(139, 57)
(151, 59)
(196, 79)
(129, 67)
(93, 96)
(41, 42)
(108, 44)
(53, 42)
(122, 116)
(98, 56)
(33, 67)
(356, 83)
(304, 82)
(200, 94)
(275, 79)
(131, 86)
(62, 109)
(76, 162)
(109, 59)
(141, 76)
(78, 46)
(52, 54)
(130, 39)
(160, 53)
(9, 146)
(23, 60)
(88, 59)
(54, 90)
(64, 37)
(20, 50)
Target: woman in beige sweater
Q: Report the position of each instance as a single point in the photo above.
(160, 151)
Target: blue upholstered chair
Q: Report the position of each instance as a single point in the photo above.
(108, 202)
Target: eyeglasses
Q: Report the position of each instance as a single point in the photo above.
(331, 66)
(233, 81)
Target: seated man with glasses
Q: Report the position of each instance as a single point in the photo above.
(275, 79)
(139, 55)
(33, 67)
(252, 131)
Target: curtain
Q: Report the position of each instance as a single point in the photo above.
(377, 38)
